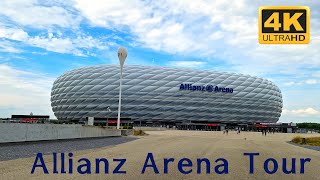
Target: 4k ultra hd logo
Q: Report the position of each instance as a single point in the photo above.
(284, 25)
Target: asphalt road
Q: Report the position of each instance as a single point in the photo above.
(9, 151)
(178, 145)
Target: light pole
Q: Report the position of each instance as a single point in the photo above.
(122, 55)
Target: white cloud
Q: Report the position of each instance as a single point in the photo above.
(291, 83)
(8, 47)
(40, 53)
(165, 26)
(213, 29)
(302, 82)
(32, 13)
(13, 34)
(312, 81)
(23, 91)
(308, 114)
(316, 74)
(188, 64)
(302, 112)
(51, 42)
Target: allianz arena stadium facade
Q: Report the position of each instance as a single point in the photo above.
(167, 95)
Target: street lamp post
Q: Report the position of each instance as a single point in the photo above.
(122, 55)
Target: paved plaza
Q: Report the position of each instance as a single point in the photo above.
(178, 145)
(10, 151)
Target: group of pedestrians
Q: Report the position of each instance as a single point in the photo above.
(226, 131)
(265, 131)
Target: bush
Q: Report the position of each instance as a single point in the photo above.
(312, 141)
(139, 132)
(127, 127)
(297, 139)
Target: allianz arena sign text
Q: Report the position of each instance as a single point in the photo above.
(208, 88)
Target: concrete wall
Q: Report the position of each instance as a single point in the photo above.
(144, 128)
(127, 132)
(16, 132)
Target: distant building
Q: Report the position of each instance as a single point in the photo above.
(30, 118)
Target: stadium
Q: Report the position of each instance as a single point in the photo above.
(165, 96)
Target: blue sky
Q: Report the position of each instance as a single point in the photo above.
(40, 40)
